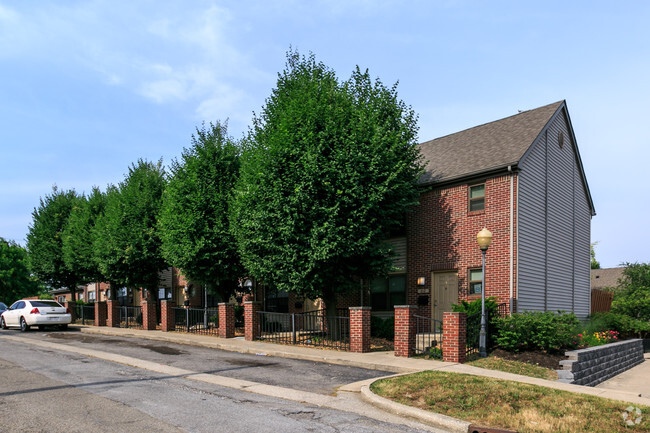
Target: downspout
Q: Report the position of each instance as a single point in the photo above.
(512, 239)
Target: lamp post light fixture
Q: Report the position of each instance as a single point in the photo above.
(483, 238)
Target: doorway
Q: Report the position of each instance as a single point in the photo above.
(445, 293)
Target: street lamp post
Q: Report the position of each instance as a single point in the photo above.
(483, 238)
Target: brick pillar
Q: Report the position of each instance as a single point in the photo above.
(226, 320)
(167, 319)
(360, 329)
(72, 308)
(100, 313)
(454, 334)
(251, 320)
(405, 329)
(112, 314)
(149, 319)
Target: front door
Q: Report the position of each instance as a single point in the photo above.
(445, 293)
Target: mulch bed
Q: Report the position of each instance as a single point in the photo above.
(543, 359)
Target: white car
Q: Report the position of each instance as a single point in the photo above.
(35, 312)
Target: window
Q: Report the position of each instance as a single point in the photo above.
(385, 293)
(477, 197)
(91, 296)
(475, 281)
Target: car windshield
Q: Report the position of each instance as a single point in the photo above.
(45, 304)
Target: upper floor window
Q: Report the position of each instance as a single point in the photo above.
(477, 197)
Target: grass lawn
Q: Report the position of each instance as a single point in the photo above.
(509, 405)
(516, 367)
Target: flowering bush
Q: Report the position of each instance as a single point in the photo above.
(596, 339)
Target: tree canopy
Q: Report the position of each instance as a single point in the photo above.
(16, 281)
(127, 243)
(331, 167)
(633, 295)
(194, 223)
(45, 240)
(78, 237)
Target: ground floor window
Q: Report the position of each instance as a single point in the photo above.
(386, 292)
(475, 281)
(91, 296)
(277, 301)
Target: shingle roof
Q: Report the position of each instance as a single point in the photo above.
(485, 147)
(608, 277)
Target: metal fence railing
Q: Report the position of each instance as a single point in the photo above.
(474, 328)
(85, 314)
(428, 336)
(130, 317)
(312, 328)
(203, 321)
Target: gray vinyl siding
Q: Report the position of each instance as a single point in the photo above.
(399, 248)
(166, 278)
(554, 226)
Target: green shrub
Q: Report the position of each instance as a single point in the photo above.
(492, 312)
(626, 326)
(551, 332)
(382, 328)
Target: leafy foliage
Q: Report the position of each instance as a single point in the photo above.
(546, 331)
(194, 223)
(474, 308)
(627, 326)
(633, 296)
(329, 168)
(16, 281)
(45, 239)
(382, 328)
(595, 264)
(78, 237)
(127, 244)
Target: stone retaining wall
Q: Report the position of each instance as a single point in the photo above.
(594, 365)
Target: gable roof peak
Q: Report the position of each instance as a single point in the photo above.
(490, 146)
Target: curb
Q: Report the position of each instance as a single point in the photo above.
(430, 418)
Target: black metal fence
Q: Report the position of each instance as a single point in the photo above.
(312, 328)
(130, 317)
(428, 336)
(204, 321)
(85, 314)
(474, 328)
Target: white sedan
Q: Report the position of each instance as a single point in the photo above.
(35, 312)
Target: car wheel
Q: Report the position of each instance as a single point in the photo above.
(3, 325)
(63, 327)
(24, 327)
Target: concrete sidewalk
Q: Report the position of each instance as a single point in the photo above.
(632, 386)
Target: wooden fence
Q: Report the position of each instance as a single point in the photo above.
(601, 301)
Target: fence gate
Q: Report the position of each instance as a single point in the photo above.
(428, 336)
(312, 328)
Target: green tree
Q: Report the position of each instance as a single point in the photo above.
(633, 295)
(127, 243)
(595, 264)
(78, 237)
(16, 280)
(330, 168)
(45, 240)
(194, 223)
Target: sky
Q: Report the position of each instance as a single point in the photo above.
(89, 87)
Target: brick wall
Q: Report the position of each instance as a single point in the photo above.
(100, 314)
(226, 320)
(360, 329)
(251, 320)
(405, 329)
(167, 319)
(454, 334)
(149, 319)
(441, 236)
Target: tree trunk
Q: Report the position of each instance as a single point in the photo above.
(73, 294)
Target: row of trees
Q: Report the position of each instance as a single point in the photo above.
(302, 202)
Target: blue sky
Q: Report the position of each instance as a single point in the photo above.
(88, 87)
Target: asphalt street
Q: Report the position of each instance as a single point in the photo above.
(48, 387)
